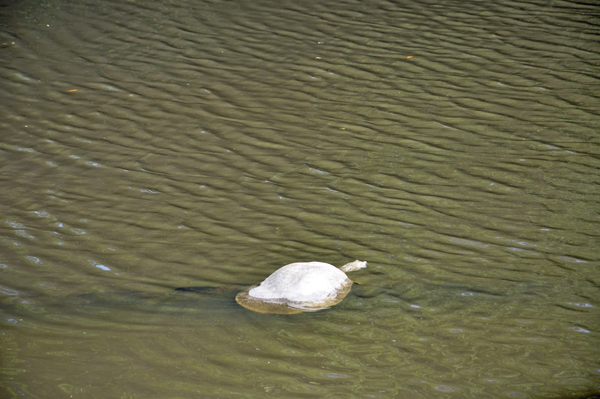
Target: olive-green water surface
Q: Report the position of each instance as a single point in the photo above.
(151, 145)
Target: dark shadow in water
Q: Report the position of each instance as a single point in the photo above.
(179, 301)
(192, 299)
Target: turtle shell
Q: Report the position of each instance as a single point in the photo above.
(297, 287)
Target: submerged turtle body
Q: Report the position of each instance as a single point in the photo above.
(300, 287)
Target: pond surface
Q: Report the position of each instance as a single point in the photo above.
(150, 145)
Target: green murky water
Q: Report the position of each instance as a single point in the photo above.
(146, 146)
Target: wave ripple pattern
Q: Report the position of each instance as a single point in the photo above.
(150, 145)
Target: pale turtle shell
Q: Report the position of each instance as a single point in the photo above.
(299, 287)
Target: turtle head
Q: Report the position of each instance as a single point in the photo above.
(352, 266)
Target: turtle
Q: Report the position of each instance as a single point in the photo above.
(300, 287)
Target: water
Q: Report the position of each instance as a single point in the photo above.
(152, 145)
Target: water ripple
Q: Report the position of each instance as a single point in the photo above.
(152, 145)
